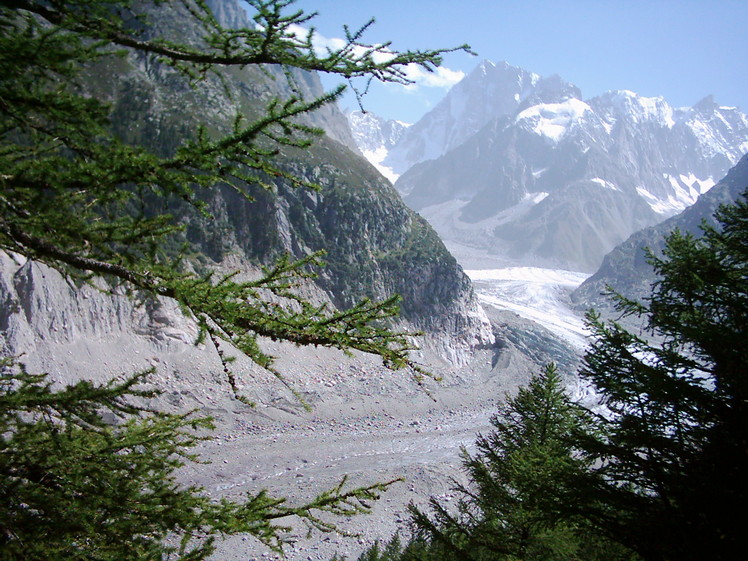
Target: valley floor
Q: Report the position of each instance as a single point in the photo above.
(366, 422)
(381, 433)
(299, 459)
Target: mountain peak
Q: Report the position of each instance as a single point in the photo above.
(485, 66)
(636, 108)
(488, 92)
(706, 105)
(554, 120)
(559, 181)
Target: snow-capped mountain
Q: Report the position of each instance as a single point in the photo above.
(489, 91)
(548, 178)
(375, 137)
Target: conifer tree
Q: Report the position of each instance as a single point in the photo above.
(79, 198)
(75, 486)
(510, 508)
(670, 452)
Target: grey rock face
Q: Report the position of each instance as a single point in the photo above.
(229, 14)
(372, 133)
(489, 91)
(77, 331)
(329, 117)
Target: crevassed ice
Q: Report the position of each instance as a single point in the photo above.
(534, 293)
(562, 277)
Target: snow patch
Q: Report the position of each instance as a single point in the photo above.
(702, 131)
(716, 138)
(445, 218)
(639, 109)
(553, 120)
(604, 183)
(535, 198)
(657, 109)
(685, 190)
(485, 65)
(376, 157)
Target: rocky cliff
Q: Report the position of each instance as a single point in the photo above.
(375, 245)
(375, 137)
(490, 91)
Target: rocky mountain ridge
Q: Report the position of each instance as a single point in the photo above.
(375, 137)
(490, 91)
(375, 246)
(546, 178)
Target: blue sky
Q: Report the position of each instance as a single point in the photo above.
(682, 50)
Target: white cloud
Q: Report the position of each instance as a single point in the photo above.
(441, 77)
(320, 43)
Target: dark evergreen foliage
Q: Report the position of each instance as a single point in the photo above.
(657, 470)
(77, 197)
(513, 506)
(670, 452)
(504, 512)
(415, 550)
(77, 487)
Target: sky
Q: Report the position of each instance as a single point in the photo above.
(682, 50)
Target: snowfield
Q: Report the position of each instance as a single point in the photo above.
(554, 120)
(540, 295)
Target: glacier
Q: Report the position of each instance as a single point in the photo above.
(537, 294)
